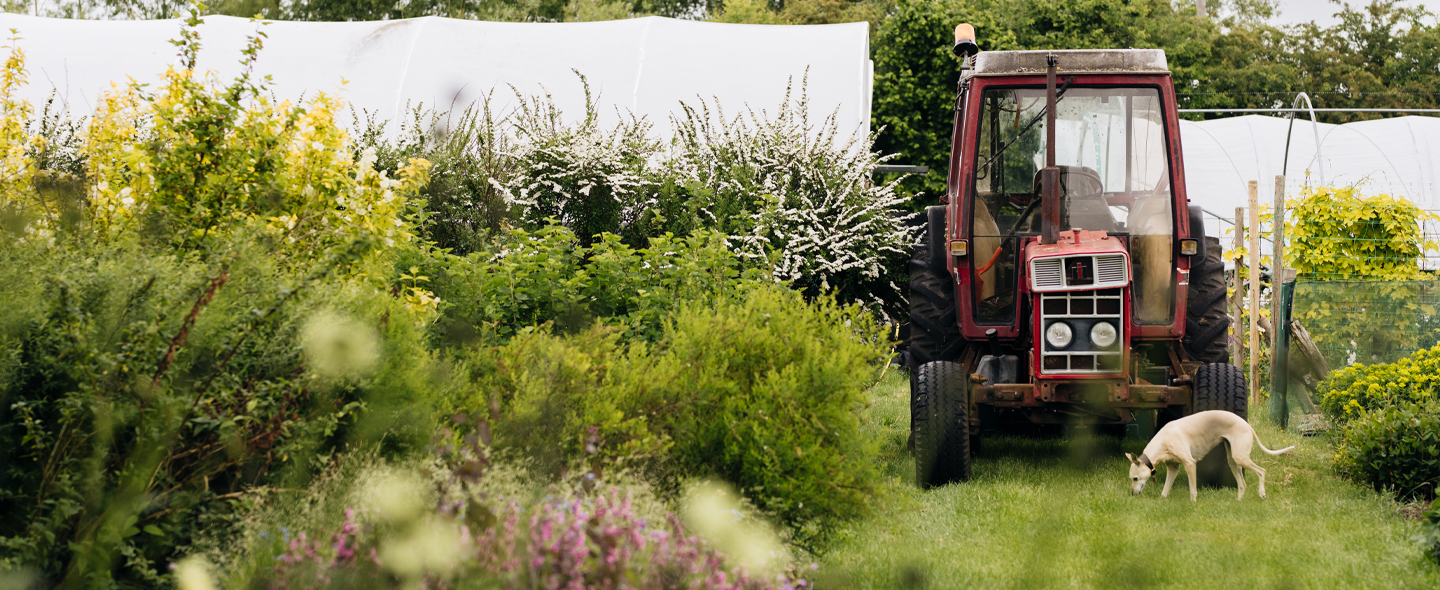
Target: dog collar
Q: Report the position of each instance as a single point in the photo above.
(1146, 461)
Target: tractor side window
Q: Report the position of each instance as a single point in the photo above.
(1003, 197)
(1114, 177)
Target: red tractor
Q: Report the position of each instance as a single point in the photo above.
(1065, 279)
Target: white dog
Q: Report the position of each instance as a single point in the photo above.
(1189, 439)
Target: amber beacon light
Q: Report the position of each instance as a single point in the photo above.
(965, 40)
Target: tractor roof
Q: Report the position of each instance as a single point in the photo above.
(1072, 61)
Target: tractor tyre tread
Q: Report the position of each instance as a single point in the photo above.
(940, 424)
(1219, 387)
(1206, 323)
(932, 301)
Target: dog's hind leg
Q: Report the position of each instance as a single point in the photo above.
(1239, 473)
(1260, 473)
(1170, 472)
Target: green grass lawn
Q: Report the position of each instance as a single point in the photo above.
(1057, 513)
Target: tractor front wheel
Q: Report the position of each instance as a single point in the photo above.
(940, 424)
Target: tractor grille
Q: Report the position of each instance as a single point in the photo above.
(1057, 273)
(1082, 311)
(1110, 270)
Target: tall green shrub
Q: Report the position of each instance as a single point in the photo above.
(760, 389)
(1394, 448)
(140, 390)
(771, 389)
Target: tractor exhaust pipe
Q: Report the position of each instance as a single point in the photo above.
(1050, 175)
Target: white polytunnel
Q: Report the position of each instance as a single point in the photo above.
(1397, 156)
(645, 66)
(648, 66)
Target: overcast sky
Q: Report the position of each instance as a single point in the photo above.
(1322, 11)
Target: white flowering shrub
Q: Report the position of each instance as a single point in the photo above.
(469, 155)
(793, 197)
(796, 196)
(590, 179)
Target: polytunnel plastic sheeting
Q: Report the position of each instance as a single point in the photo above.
(644, 66)
(1395, 156)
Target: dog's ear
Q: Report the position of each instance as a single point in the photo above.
(1132, 458)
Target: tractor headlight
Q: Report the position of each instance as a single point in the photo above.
(1103, 334)
(1059, 334)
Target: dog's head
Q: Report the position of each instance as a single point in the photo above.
(1140, 471)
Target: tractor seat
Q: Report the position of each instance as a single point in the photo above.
(1082, 200)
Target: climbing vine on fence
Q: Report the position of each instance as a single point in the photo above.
(1359, 260)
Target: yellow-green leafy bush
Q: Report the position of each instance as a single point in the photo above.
(1359, 263)
(1358, 387)
(215, 316)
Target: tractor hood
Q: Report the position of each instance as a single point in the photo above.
(1079, 260)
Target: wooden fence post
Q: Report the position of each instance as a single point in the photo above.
(1237, 295)
(1281, 286)
(1254, 305)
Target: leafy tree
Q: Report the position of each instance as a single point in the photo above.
(916, 75)
(1383, 56)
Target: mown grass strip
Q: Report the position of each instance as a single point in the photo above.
(1056, 513)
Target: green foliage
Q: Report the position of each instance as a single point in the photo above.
(916, 76)
(1346, 394)
(801, 12)
(1394, 448)
(141, 389)
(1359, 264)
(760, 389)
(1428, 537)
(531, 278)
(216, 316)
(641, 288)
(1337, 234)
(772, 390)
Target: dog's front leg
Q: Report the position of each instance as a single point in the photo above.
(1190, 476)
(1169, 480)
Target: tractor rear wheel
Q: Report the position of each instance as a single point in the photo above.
(1219, 387)
(940, 424)
(1207, 326)
(934, 331)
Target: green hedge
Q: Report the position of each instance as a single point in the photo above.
(1394, 448)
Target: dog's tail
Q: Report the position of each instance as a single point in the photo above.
(1285, 451)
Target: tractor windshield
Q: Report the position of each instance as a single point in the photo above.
(1114, 175)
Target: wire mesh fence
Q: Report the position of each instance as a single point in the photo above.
(1368, 293)
(1368, 321)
